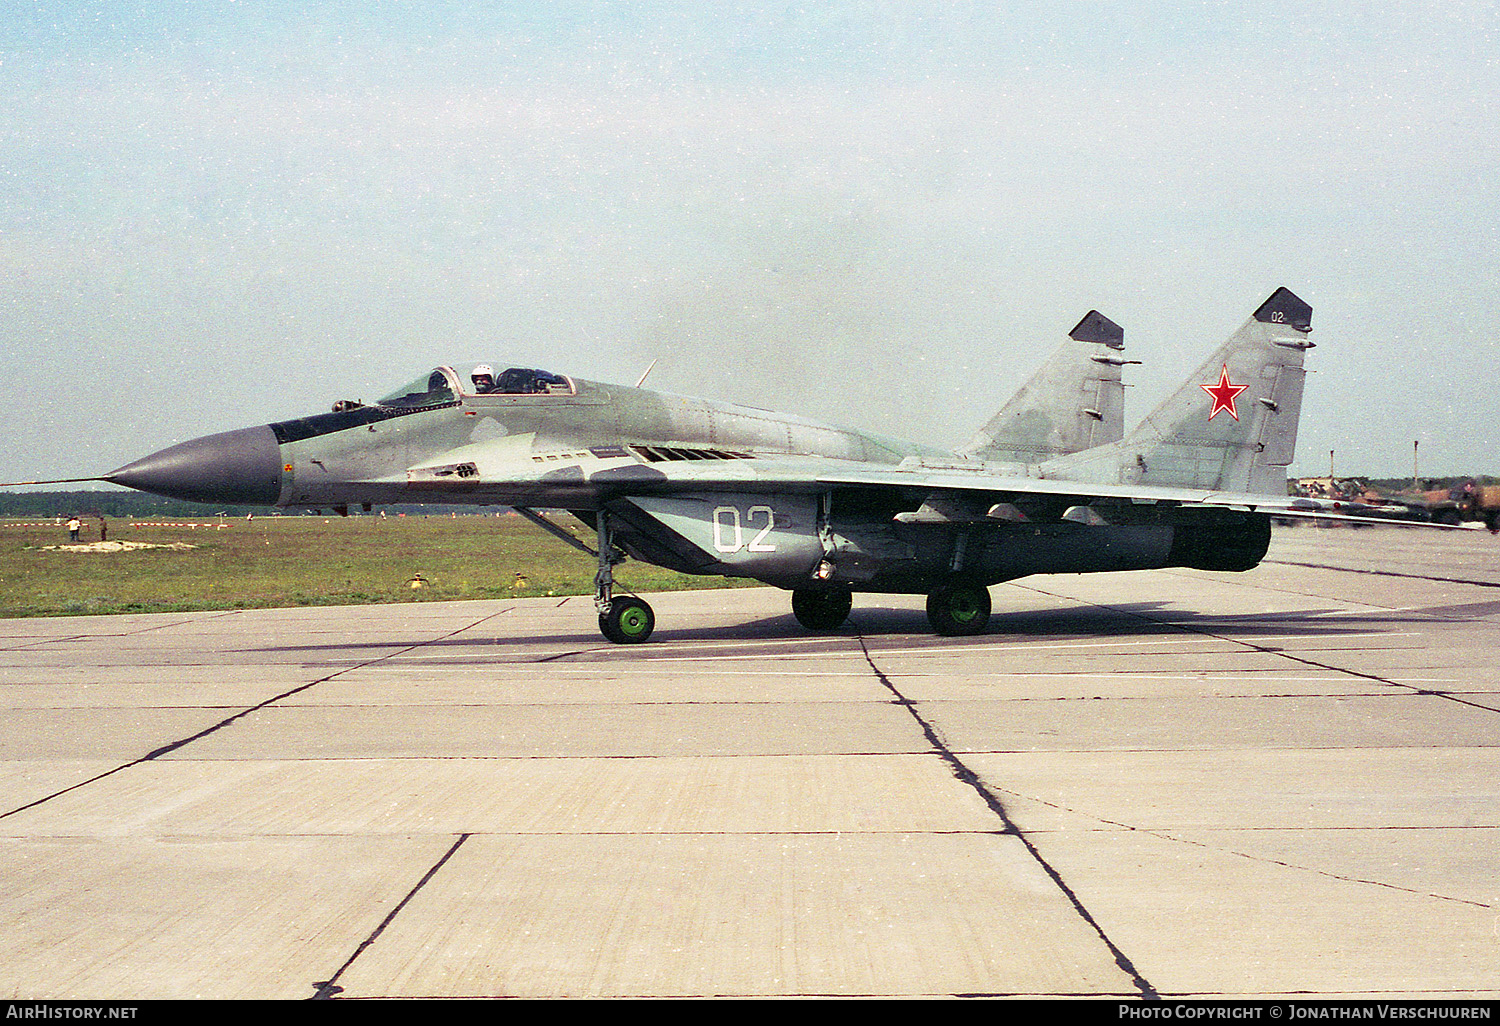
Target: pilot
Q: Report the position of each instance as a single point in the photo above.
(484, 379)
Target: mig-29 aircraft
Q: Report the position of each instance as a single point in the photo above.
(711, 488)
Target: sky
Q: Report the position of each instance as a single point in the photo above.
(879, 214)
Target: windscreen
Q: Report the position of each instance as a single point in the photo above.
(429, 390)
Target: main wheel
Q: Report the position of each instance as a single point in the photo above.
(821, 609)
(958, 609)
(628, 622)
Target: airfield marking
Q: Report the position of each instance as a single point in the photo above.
(936, 645)
(181, 742)
(940, 644)
(1342, 877)
(326, 989)
(1387, 573)
(967, 776)
(1260, 676)
(146, 629)
(1258, 646)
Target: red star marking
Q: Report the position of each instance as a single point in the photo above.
(1223, 395)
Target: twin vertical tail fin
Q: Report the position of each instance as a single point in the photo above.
(1076, 400)
(1232, 426)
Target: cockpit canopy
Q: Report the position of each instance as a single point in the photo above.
(520, 381)
(444, 385)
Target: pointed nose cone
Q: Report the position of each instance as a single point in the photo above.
(233, 467)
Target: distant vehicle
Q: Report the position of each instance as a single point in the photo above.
(1465, 500)
(1350, 497)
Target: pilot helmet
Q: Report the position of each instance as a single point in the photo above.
(486, 372)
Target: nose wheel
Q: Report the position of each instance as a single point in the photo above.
(628, 622)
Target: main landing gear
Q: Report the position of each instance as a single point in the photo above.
(627, 620)
(959, 608)
(822, 609)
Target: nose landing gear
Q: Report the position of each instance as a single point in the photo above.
(625, 621)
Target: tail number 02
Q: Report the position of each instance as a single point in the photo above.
(729, 529)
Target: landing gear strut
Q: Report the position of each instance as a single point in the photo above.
(959, 608)
(625, 621)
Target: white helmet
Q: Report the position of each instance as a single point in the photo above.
(483, 377)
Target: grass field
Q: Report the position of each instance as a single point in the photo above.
(301, 561)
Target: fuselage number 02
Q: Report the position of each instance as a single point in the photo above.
(730, 529)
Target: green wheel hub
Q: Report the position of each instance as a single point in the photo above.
(959, 608)
(628, 622)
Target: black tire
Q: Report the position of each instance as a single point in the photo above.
(822, 609)
(629, 621)
(959, 609)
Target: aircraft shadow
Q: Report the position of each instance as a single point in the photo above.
(1133, 620)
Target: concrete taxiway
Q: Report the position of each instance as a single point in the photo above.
(1175, 783)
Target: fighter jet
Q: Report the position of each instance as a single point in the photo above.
(712, 488)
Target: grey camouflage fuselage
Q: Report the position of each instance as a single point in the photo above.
(712, 488)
